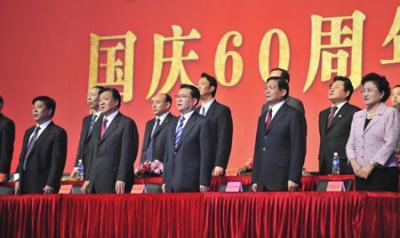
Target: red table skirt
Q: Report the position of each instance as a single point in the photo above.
(269, 214)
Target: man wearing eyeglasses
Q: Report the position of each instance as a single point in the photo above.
(188, 157)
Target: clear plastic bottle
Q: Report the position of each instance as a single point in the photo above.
(80, 168)
(335, 164)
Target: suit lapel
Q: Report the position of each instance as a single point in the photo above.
(42, 136)
(281, 113)
(188, 127)
(163, 124)
(148, 133)
(338, 115)
(111, 127)
(376, 118)
(211, 110)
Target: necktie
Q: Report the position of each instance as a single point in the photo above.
(331, 116)
(92, 121)
(203, 111)
(157, 126)
(103, 128)
(268, 119)
(31, 143)
(149, 149)
(179, 130)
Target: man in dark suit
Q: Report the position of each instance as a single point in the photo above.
(188, 161)
(87, 128)
(335, 125)
(280, 146)
(7, 136)
(155, 134)
(220, 118)
(43, 153)
(114, 148)
(291, 101)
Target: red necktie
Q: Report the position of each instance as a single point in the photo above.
(269, 119)
(331, 116)
(103, 128)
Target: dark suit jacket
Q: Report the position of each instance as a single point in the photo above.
(46, 161)
(112, 157)
(222, 129)
(159, 138)
(280, 151)
(7, 136)
(334, 138)
(84, 140)
(190, 165)
(291, 101)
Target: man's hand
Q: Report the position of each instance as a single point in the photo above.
(85, 187)
(163, 187)
(218, 171)
(17, 187)
(254, 187)
(120, 187)
(292, 186)
(74, 173)
(48, 190)
(204, 188)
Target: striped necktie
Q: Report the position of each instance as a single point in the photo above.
(31, 143)
(179, 130)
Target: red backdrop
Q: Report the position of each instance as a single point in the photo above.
(45, 49)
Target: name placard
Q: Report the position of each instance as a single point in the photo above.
(138, 189)
(65, 189)
(233, 187)
(335, 186)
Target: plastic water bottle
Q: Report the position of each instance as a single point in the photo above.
(335, 163)
(80, 168)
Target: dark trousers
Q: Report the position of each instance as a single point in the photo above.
(380, 179)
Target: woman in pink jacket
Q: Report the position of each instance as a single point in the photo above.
(374, 136)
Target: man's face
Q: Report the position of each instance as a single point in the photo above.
(107, 103)
(336, 93)
(272, 92)
(93, 98)
(204, 87)
(396, 95)
(40, 112)
(158, 104)
(184, 101)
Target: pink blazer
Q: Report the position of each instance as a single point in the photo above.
(378, 141)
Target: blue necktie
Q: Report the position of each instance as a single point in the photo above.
(179, 130)
(149, 150)
(31, 143)
(91, 125)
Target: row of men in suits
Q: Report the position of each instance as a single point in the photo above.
(109, 155)
(108, 142)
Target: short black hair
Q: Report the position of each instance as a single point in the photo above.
(168, 98)
(348, 86)
(100, 88)
(284, 73)
(282, 84)
(212, 81)
(48, 102)
(114, 93)
(1, 102)
(194, 92)
(381, 83)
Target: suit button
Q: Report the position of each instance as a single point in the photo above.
(265, 137)
(264, 149)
